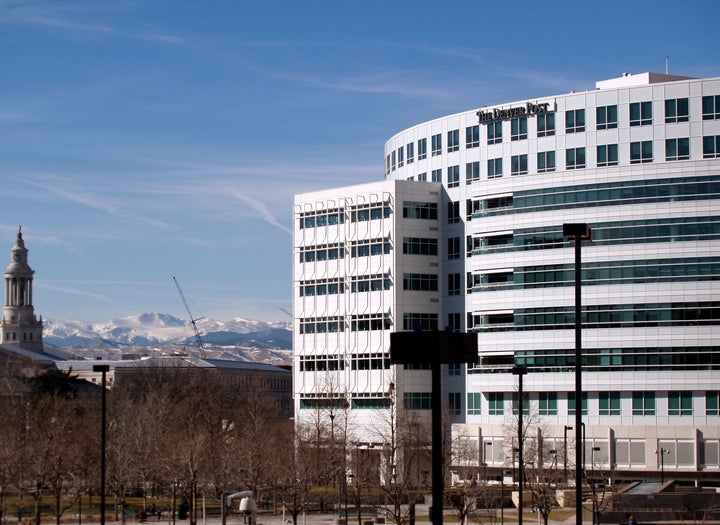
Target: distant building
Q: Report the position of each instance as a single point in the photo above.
(21, 332)
(19, 326)
(237, 376)
(466, 232)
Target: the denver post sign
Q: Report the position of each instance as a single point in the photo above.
(529, 109)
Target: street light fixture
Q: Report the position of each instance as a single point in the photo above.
(578, 232)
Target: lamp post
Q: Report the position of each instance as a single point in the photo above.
(520, 371)
(488, 446)
(578, 232)
(592, 484)
(103, 369)
(662, 453)
(565, 431)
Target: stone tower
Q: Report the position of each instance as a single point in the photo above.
(19, 326)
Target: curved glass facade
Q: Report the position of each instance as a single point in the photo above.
(469, 236)
(636, 159)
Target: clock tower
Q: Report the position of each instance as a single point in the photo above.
(19, 326)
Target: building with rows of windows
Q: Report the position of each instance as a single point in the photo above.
(466, 232)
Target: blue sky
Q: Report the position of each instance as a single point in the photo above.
(146, 139)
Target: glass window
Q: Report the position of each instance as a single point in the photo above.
(609, 403)
(472, 172)
(677, 110)
(677, 149)
(453, 173)
(607, 155)
(453, 284)
(546, 124)
(473, 403)
(410, 149)
(519, 128)
(472, 136)
(393, 156)
(711, 107)
(494, 168)
(574, 158)
(711, 147)
(455, 403)
(453, 212)
(419, 210)
(606, 117)
(436, 144)
(712, 403)
(494, 132)
(526, 403)
(680, 403)
(401, 157)
(496, 404)
(545, 161)
(414, 321)
(417, 400)
(423, 282)
(640, 113)
(575, 121)
(548, 404)
(422, 149)
(643, 403)
(518, 165)
(453, 138)
(419, 246)
(436, 175)
(571, 403)
(641, 152)
(453, 244)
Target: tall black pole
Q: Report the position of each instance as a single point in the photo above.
(520, 371)
(565, 454)
(578, 232)
(103, 369)
(437, 448)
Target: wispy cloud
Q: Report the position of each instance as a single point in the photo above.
(74, 192)
(74, 18)
(73, 291)
(259, 207)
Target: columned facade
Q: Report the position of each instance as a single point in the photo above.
(19, 326)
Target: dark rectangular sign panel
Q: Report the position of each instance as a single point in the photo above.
(433, 347)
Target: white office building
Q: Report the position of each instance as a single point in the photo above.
(466, 232)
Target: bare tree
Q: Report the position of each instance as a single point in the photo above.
(403, 436)
(56, 437)
(296, 470)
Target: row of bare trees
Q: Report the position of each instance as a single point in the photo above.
(193, 433)
(169, 429)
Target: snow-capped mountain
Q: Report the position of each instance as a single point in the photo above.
(153, 333)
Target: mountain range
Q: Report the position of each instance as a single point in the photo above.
(162, 334)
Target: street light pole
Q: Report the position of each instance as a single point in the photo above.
(520, 371)
(565, 431)
(578, 232)
(103, 369)
(662, 453)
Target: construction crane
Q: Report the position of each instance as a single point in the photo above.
(286, 312)
(193, 320)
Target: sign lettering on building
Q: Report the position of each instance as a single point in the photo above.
(527, 110)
